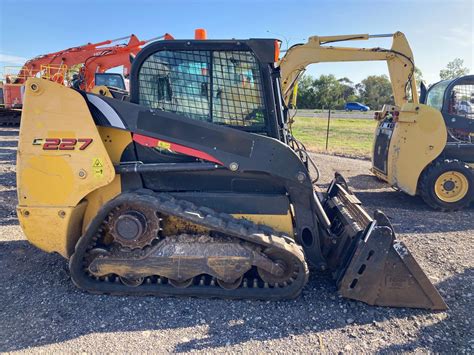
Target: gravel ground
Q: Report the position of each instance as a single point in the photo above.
(42, 311)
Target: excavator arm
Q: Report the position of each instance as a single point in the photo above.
(399, 60)
(94, 58)
(70, 57)
(114, 57)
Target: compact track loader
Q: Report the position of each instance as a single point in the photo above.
(195, 187)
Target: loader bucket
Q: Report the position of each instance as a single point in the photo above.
(370, 264)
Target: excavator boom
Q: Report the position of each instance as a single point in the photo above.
(94, 58)
(318, 49)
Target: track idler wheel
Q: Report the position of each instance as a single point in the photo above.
(290, 269)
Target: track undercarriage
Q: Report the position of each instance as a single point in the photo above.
(128, 249)
(9, 117)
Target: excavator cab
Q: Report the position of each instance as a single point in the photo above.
(114, 80)
(196, 187)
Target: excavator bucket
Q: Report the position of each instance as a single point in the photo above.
(371, 265)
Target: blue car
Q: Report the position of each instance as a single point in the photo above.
(356, 106)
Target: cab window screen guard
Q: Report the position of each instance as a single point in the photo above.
(461, 99)
(222, 87)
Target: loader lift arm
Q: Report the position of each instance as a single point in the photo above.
(399, 60)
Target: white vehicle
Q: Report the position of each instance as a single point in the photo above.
(464, 107)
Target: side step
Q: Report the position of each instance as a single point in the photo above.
(370, 264)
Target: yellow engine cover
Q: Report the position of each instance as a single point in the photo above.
(65, 171)
(61, 159)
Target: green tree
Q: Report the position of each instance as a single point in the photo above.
(325, 92)
(375, 91)
(418, 76)
(453, 70)
(349, 91)
(306, 93)
(329, 92)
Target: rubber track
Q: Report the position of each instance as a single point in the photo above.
(208, 218)
(9, 118)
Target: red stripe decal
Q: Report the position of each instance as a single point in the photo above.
(159, 143)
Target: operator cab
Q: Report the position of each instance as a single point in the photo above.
(455, 100)
(224, 82)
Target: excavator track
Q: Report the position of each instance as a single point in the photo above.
(93, 263)
(9, 117)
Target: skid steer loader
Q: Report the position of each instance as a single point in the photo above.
(422, 146)
(195, 187)
(440, 131)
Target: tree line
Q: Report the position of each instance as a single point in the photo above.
(327, 91)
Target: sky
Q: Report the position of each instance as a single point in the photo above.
(438, 31)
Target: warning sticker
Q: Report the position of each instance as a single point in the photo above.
(97, 163)
(98, 167)
(163, 145)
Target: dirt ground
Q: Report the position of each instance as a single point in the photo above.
(42, 311)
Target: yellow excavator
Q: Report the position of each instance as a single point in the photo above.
(194, 186)
(421, 148)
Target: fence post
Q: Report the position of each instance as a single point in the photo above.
(327, 130)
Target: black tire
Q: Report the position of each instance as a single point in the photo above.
(427, 186)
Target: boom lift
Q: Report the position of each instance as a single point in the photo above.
(196, 187)
(417, 149)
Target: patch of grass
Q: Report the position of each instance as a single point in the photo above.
(346, 136)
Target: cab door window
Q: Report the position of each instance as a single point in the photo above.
(222, 87)
(461, 100)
